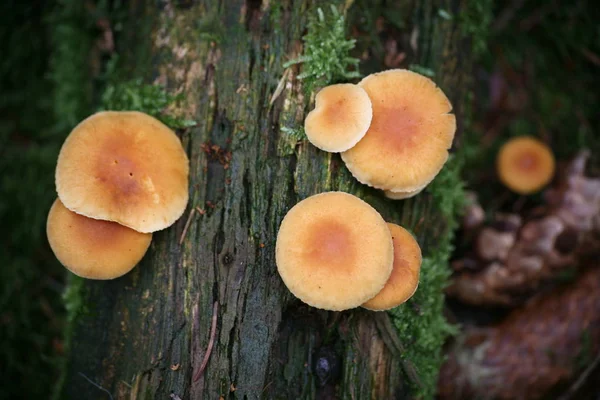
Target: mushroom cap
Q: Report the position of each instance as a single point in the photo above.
(410, 134)
(394, 195)
(93, 248)
(126, 167)
(404, 279)
(341, 117)
(525, 164)
(334, 251)
(402, 195)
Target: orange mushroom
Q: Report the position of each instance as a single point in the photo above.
(404, 280)
(408, 140)
(92, 248)
(125, 167)
(334, 251)
(340, 119)
(525, 164)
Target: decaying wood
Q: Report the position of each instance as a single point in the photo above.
(512, 259)
(532, 354)
(139, 335)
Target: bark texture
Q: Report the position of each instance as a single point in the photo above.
(144, 336)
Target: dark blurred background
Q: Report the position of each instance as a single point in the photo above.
(38, 107)
(538, 74)
(31, 280)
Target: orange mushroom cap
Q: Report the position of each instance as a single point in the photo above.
(340, 119)
(126, 167)
(92, 248)
(410, 134)
(404, 279)
(525, 164)
(334, 251)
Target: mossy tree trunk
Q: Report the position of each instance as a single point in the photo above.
(144, 336)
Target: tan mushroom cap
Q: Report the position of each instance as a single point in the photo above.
(92, 248)
(390, 194)
(341, 117)
(410, 134)
(334, 251)
(126, 167)
(525, 164)
(404, 279)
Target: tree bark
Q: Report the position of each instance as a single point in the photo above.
(144, 336)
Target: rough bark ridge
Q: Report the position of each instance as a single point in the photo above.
(144, 336)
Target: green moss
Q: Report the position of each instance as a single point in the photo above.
(326, 58)
(421, 325)
(474, 22)
(135, 95)
(293, 136)
(422, 70)
(210, 28)
(72, 38)
(73, 299)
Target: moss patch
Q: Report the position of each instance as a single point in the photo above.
(72, 37)
(475, 22)
(135, 95)
(421, 325)
(326, 58)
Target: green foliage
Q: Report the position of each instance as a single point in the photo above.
(72, 36)
(326, 57)
(210, 28)
(296, 134)
(422, 70)
(135, 95)
(421, 325)
(448, 190)
(474, 22)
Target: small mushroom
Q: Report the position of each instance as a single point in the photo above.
(525, 164)
(410, 134)
(125, 167)
(404, 280)
(340, 119)
(334, 251)
(92, 248)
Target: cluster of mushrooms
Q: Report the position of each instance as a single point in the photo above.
(393, 129)
(120, 176)
(336, 252)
